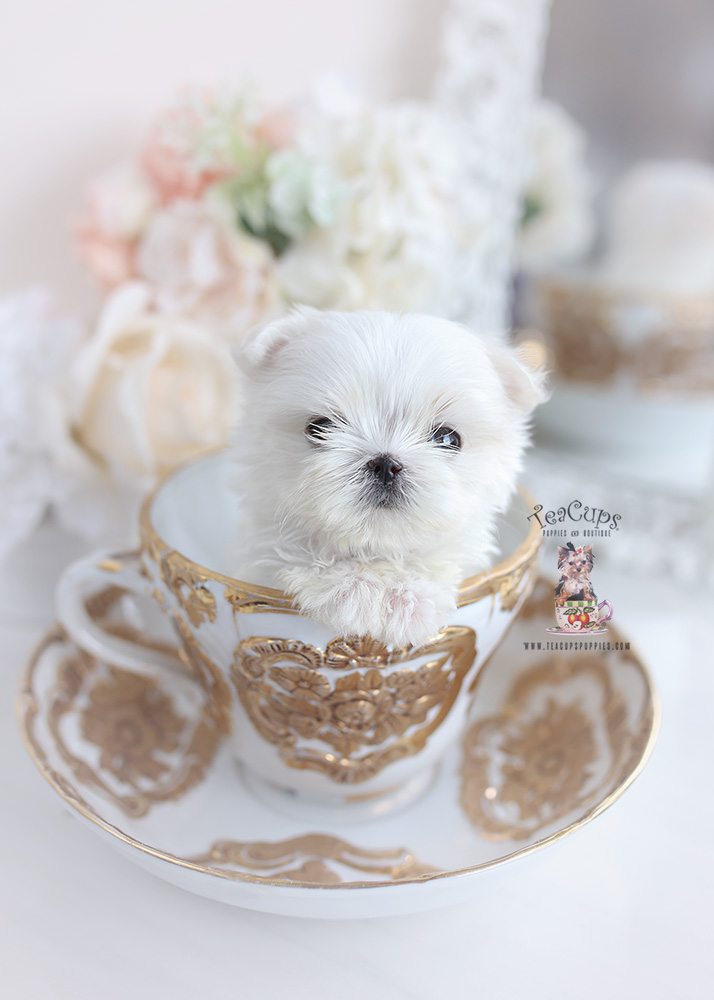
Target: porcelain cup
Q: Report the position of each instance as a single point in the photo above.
(327, 717)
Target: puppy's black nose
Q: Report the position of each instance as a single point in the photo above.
(385, 468)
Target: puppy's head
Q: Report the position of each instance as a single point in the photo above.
(575, 564)
(375, 433)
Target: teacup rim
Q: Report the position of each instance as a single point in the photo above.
(470, 589)
(600, 291)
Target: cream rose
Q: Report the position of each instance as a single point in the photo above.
(151, 390)
(200, 266)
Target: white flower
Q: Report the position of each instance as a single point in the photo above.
(120, 202)
(558, 221)
(301, 193)
(201, 267)
(35, 351)
(661, 228)
(151, 390)
(401, 218)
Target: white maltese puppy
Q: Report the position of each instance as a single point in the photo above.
(375, 453)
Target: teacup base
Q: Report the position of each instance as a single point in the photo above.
(353, 808)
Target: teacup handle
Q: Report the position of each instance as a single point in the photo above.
(80, 581)
(604, 618)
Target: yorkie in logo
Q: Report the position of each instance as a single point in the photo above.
(576, 606)
(575, 566)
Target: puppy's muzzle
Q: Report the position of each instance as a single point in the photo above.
(385, 469)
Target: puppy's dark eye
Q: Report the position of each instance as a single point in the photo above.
(318, 428)
(446, 437)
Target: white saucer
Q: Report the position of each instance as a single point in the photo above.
(553, 739)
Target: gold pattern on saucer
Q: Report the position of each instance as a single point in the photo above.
(102, 602)
(293, 703)
(541, 602)
(309, 854)
(102, 607)
(131, 720)
(40, 700)
(584, 327)
(552, 751)
(147, 751)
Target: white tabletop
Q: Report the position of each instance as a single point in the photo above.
(623, 908)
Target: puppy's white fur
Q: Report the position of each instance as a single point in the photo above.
(311, 521)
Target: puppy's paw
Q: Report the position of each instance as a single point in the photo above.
(415, 611)
(398, 610)
(347, 599)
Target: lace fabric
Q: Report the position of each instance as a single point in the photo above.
(491, 56)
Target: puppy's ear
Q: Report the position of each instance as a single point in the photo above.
(265, 341)
(563, 553)
(588, 550)
(522, 373)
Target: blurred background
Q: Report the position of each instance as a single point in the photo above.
(616, 274)
(81, 83)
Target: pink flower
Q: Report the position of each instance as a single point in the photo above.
(277, 129)
(200, 266)
(109, 258)
(173, 173)
(119, 203)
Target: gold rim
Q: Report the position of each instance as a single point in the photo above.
(27, 711)
(617, 294)
(471, 589)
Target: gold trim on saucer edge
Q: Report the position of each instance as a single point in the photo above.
(310, 852)
(27, 709)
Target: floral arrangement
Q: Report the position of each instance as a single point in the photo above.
(558, 222)
(230, 214)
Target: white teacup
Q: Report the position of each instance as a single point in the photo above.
(330, 717)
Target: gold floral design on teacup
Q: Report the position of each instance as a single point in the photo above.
(285, 687)
(519, 583)
(188, 588)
